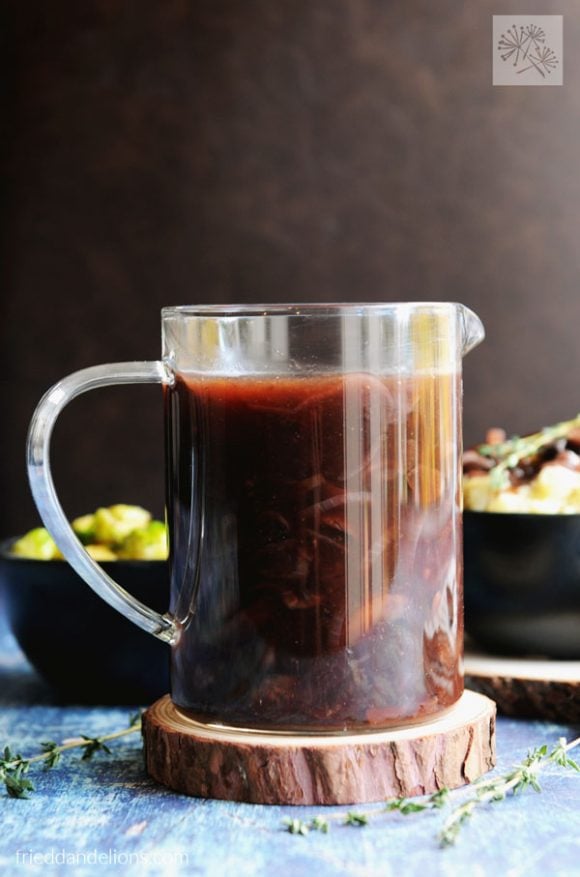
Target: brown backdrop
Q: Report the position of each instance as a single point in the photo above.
(178, 152)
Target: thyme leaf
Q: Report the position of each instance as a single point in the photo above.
(93, 744)
(406, 806)
(296, 826)
(356, 819)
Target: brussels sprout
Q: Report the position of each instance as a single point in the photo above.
(100, 552)
(110, 533)
(37, 544)
(114, 524)
(84, 528)
(147, 543)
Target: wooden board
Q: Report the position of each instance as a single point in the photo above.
(211, 762)
(529, 687)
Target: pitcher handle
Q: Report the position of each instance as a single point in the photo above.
(43, 490)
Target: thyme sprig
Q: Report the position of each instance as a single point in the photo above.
(14, 767)
(510, 453)
(512, 782)
(486, 791)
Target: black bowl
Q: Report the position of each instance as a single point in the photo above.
(82, 647)
(522, 583)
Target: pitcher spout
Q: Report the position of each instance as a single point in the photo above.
(472, 330)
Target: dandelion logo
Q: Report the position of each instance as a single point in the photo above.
(528, 50)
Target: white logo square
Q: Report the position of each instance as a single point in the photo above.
(528, 50)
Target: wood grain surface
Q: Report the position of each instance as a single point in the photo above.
(337, 769)
(528, 687)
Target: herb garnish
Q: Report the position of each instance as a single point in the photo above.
(486, 791)
(509, 454)
(14, 768)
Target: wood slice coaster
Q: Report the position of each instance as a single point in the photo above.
(530, 687)
(261, 768)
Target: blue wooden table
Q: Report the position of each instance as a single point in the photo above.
(104, 816)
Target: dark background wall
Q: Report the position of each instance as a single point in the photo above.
(178, 152)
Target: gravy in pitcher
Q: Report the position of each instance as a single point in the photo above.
(315, 549)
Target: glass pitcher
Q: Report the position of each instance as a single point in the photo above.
(314, 511)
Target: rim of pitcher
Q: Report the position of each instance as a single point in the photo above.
(297, 308)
